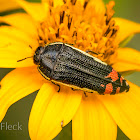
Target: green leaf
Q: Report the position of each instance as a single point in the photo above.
(66, 133)
(121, 135)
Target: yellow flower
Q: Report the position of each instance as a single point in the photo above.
(86, 25)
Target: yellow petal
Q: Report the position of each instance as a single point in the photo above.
(125, 110)
(14, 33)
(126, 28)
(16, 85)
(14, 46)
(36, 10)
(21, 21)
(92, 121)
(128, 59)
(6, 5)
(11, 53)
(126, 41)
(52, 110)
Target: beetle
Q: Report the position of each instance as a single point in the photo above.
(64, 64)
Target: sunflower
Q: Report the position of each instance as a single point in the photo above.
(88, 25)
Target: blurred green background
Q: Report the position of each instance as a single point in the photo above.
(19, 112)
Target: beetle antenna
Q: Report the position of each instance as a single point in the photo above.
(24, 58)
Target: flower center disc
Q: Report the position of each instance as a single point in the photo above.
(83, 26)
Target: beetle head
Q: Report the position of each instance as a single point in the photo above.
(37, 55)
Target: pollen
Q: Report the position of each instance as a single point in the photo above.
(81, 25)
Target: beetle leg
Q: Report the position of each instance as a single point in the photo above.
(57, 85)
(74, 89)
(85, 94)
(87, 51)
(70, 44)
